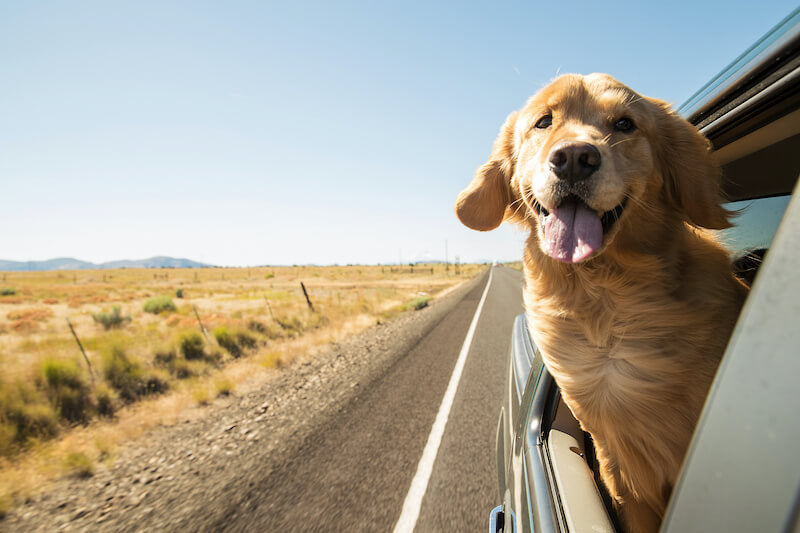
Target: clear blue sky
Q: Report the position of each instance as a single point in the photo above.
(244, 133)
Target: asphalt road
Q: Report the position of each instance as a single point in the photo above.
(353, 473)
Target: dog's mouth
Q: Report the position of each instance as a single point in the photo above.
(573, 231)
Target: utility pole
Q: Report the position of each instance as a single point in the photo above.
(446, 263)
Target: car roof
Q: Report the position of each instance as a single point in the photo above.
(750, 112)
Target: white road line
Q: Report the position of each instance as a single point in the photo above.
(419, 485)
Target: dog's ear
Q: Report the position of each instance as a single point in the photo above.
(691, 176)
(482, 205)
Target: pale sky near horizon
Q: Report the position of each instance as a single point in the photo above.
(245, 133)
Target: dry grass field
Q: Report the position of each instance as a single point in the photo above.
(161, 341)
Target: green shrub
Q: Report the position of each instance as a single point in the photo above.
(106, 400)
(24, 416)
(155, 384)
(128, 377)
(159, 304)
(67, 389)
(125, 375)
(165, 356)
(79, 465)
(181, 369)
(201, 394)
(223, 386)
(418, 303)
(112, 319)
(227, 341)
(168, 358)
(246, 340)
(35, 421)
(191, 345)
(261, 328)
(7, 291)
(291, 325)
(258, 327)
(235, 342)
(273, 359)
(179, 293)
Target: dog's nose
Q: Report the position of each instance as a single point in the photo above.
(574, 161)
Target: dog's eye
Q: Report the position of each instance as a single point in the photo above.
(624, 124)
(544, 122)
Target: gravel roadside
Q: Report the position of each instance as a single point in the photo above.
(175, 478)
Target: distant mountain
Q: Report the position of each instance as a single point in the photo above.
(68, 263)
(60, 263)
(154, 262)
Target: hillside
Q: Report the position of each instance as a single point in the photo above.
(69, 263)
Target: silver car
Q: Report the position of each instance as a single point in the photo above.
(742, 471)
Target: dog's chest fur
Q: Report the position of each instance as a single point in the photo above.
(608, 338)
(633, 356)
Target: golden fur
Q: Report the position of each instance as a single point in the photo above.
(632, 335)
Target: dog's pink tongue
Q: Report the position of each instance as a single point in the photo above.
(572, 232)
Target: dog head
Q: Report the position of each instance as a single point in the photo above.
(587, 162)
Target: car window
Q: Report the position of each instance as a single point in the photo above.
(756, 224)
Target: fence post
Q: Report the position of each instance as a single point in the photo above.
(271, 314)
(202, 327)
(85, 357)
(308, 300)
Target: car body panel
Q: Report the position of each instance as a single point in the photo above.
(526, 484)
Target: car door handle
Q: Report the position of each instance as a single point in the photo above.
(498, 522)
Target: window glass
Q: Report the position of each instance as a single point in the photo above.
(536, 370)
(756, 224)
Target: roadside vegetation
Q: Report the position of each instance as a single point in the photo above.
(516, 265)
(110, 319)
(159, 304)
(138, 345)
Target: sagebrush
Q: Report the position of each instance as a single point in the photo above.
(159, 304)
(111, 319)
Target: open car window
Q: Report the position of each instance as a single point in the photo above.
(755, 224)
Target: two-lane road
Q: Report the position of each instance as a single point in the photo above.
(355, 473)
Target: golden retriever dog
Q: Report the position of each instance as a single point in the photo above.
(630, 300)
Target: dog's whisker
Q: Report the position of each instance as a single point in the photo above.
(637, 201)
(633, 98)
(621, 141)
(518, 201)
(517, 210)
(533, 201)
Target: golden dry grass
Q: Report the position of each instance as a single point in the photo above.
(265, 305)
